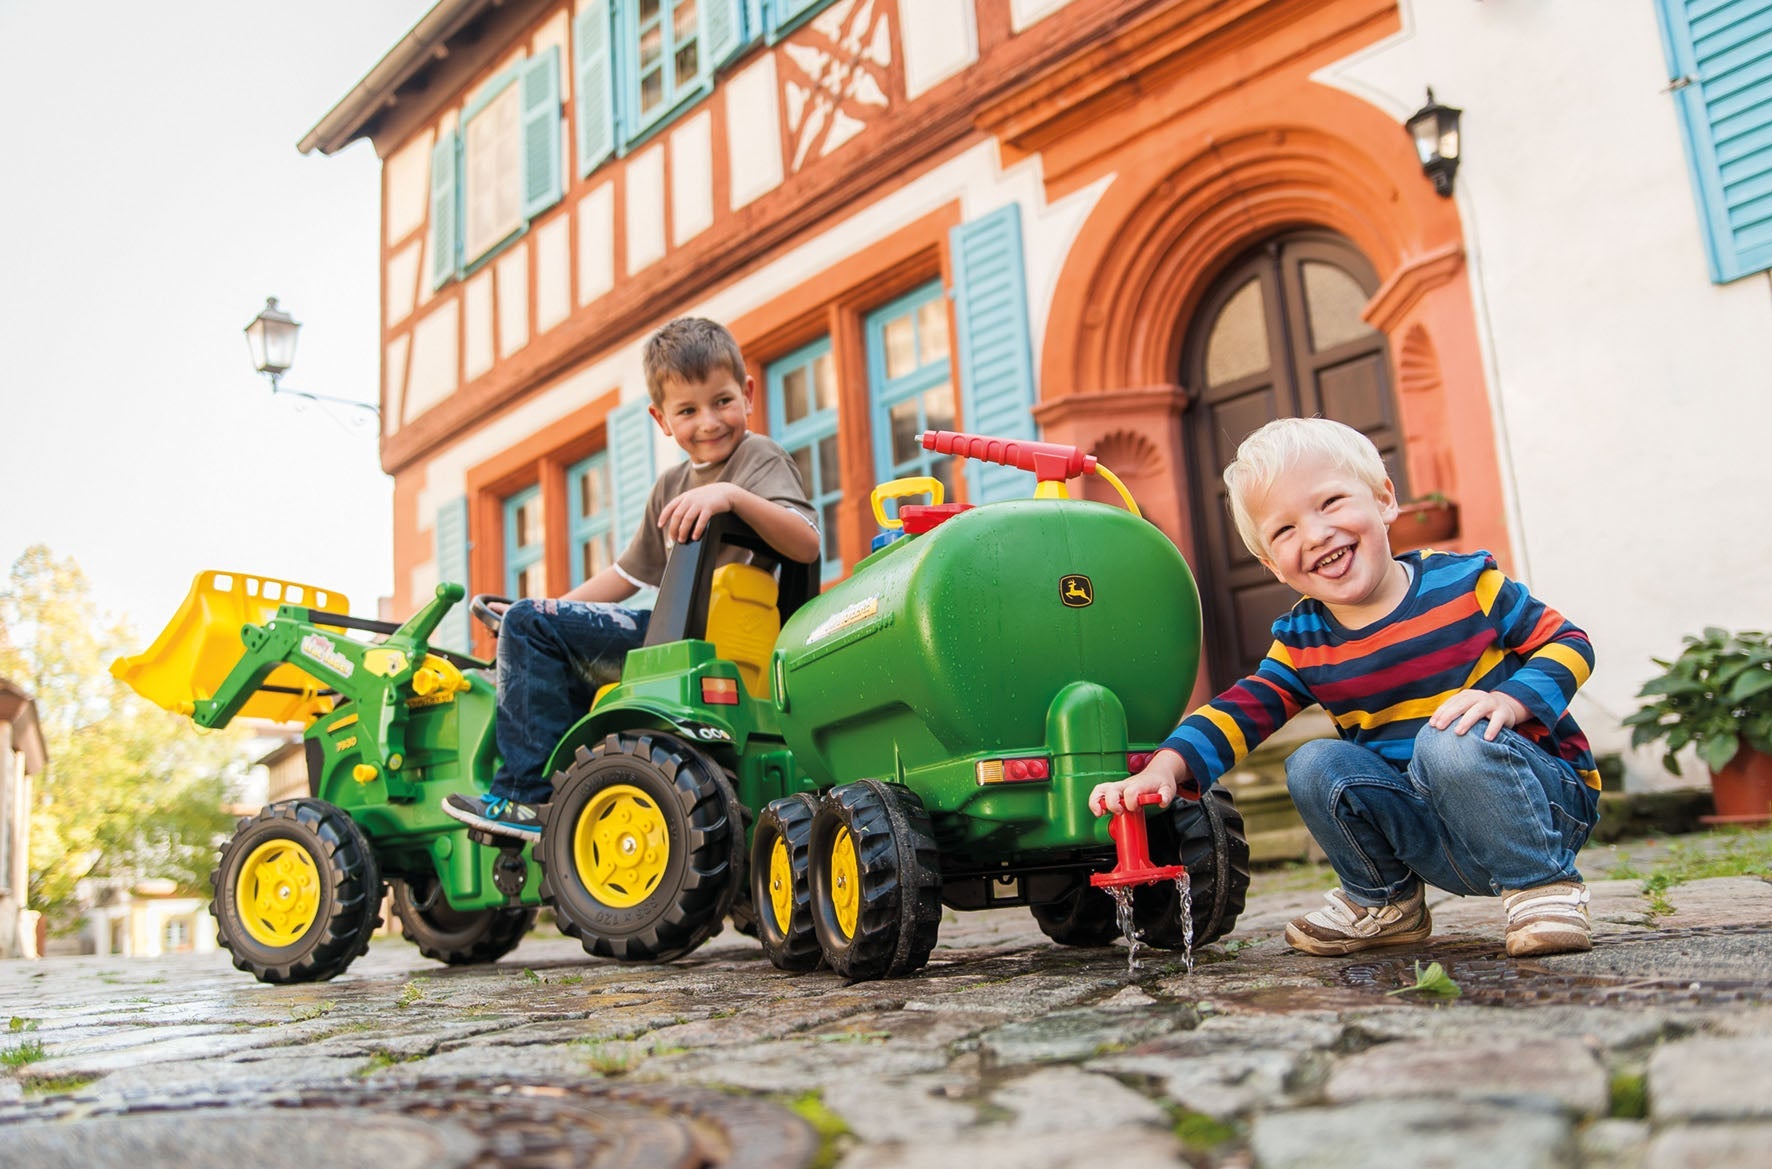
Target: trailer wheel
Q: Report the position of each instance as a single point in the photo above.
(455, 936)
(636, 848)
(297, 892)
(1206, 835)
(876, 880)
(1081, 916)
(781, 883)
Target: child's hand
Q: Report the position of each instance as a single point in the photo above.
(686, 517)
(1163, 775)
(1467, 708)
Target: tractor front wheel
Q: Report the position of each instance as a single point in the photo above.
(1206, 836)
(297, 892)
(876, 880)
(781, 884)
(455, 936)
(637, 848)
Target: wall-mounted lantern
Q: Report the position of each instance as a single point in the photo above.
(1434, 128)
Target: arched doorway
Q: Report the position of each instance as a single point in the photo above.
(1278, 334)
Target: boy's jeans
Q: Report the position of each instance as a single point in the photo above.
(552, 657)
(1470, 816)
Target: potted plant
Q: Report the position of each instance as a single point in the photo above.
(1716, 697)
(1420, 523)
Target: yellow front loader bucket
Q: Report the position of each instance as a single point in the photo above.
(201, 643)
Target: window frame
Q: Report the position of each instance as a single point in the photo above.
(580, 527)
(885, 393)
(519, 558)
(810, 432)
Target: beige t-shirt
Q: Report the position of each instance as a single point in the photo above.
(757, 464)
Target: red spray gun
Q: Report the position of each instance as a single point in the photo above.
(1051, 462)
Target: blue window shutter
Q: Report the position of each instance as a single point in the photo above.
(541, 132)
(445, 239)
(996, 351)
(595, 92)
(1723, 54)
(630, 454)
(722, 30)
(452, 549)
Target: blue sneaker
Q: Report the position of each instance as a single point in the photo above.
(501, 816)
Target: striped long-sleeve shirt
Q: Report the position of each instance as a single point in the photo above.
(1462, 626)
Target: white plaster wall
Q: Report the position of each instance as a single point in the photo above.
(753, 134)
(596, 243)
(400, 284)
(644, 176)
(940, 38)
(692, 178)
(433, 374)
(1025, 12)
(553, 272)
(1632, 396)
(406, 181)
(476, 336)
(513, 300)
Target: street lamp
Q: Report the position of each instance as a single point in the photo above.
(271, 339)
(1435, 130)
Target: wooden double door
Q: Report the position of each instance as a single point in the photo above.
(1278, 335)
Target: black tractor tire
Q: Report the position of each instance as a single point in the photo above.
(895, 865)
(744, 913)
(658, 888)
(1206, 836)
(297, 892)
(458, 937)
(1082, 916)
(791, 944)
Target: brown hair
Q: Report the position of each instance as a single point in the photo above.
(690, 349)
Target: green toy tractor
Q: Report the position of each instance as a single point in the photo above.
(827, 769)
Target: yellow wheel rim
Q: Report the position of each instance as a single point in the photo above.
(621, 846)
(781, 884)
(277, 893)
(845, 882)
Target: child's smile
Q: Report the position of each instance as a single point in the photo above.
(1326, 535)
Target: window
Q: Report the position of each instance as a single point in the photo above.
(526, 570)
(910, 384)
(590, 523)
(1720, 57)
(500, 169)
(177, 935)
(639, 63)
(803, 414)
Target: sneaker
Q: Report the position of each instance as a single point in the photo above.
(504, 817)
(1549, 919)
(1346, 926)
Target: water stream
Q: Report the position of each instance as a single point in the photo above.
(1123, 913)
(1185, 888)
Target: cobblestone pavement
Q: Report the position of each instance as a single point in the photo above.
(1653, 1051)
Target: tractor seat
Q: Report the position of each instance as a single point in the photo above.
(743, 622)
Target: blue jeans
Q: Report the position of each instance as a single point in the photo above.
(552, 657)
(1470, 816)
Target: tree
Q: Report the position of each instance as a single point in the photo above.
(131, 791)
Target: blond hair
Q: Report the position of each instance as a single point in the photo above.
(1271, 451)
(689, 349)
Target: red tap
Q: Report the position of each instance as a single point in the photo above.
(1133, 867)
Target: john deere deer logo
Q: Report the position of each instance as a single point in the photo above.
(1076, 591)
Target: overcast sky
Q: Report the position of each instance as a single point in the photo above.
(152, 197)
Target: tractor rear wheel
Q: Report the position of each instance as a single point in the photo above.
(876, 880)
(781, 883)
(1206, 836)
(297, 892)
(456, 936)
(636, 848)
(1081, 916)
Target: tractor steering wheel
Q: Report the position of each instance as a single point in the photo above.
(481, 608)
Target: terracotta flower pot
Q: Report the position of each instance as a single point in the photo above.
(1743, 789)
(1426, 523)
